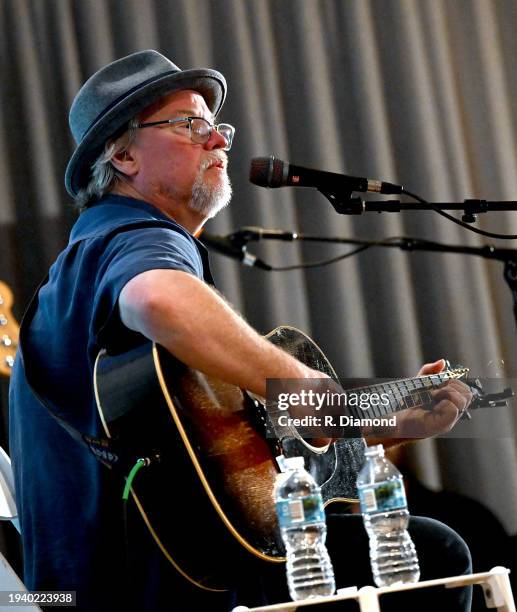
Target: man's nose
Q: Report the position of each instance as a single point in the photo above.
(216, 141)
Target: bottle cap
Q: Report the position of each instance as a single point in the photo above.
(293, 463)
(374, 451)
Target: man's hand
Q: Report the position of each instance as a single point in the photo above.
(449, 402)
(306, 403)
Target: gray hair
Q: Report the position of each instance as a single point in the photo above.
(103, 175)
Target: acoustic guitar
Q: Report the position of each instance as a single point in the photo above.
(210, 451)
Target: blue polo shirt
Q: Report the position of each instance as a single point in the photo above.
(69, 504)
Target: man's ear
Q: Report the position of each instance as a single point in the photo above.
(125, 162)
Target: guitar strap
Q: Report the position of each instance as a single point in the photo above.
(109, 451)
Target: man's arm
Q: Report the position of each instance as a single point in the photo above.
(189, 319)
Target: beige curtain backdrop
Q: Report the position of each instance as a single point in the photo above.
(417, 92)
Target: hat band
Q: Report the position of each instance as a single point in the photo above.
(125, 95)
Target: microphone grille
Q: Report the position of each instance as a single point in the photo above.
(267, 171)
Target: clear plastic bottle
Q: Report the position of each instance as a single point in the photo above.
(301, 518)
(385, 515)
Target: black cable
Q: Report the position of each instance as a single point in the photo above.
(325, 262)
(127, 578)
(457, 221)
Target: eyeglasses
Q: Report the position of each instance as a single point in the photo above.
(199, 129)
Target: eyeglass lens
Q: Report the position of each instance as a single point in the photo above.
(201, 131)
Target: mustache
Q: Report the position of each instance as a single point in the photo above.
(214, 158)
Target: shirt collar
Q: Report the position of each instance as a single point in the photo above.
(115, 210)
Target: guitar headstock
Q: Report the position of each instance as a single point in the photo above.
(480, 398)
(9, 331)
(458, 372)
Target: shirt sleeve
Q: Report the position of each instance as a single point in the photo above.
(126, 255)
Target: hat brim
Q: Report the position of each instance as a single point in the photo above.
(209, 83)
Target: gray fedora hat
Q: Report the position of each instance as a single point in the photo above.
(118, 92)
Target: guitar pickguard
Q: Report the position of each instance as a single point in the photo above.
(335, 470)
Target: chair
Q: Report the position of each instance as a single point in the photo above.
(8, 511)
(9, 580)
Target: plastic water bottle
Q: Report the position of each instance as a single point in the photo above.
(385, 515)
(301, 518)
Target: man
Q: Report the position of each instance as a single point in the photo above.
(148, 171)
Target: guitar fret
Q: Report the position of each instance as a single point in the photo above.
(391, 407)
(355, 411)
(381, 410)
(395, 390)
(404, 393)
(427, 398)
(417, 400)
(374, 409)
(385, 410)
(394, 401)
(385, 389)
(409, 401)
(437, 379)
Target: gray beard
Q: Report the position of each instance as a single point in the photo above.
(208, 200)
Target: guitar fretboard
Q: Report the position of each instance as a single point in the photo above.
(400, 394)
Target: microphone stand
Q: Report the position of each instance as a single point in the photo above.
(345, 204)
(508, 256)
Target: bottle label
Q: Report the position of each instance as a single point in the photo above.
(305, 510)
(383, 496)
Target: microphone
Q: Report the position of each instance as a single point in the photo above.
(233, 247)
(272, 172)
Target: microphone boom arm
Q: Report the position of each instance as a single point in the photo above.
(355, 206)
(508, 256)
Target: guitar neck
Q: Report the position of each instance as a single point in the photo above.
(401, 394)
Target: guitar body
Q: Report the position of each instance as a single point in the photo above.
(336, 469)
(213, 452)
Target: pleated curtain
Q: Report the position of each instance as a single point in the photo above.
(417, 92)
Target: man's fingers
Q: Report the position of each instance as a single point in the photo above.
(432, 368)
(443, 418)
(456, 391)
(450, 405)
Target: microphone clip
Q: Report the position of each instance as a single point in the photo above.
(344, 203)
(240, 238)
(239, 241)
